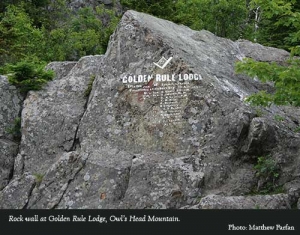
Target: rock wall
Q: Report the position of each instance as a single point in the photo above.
(10, 108)
(113, 149)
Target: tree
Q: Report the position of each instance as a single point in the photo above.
(84, 34)
(224, 18)
(286, 79)
(18, 37)
(160, 8)
(81, 34)
(277, 22)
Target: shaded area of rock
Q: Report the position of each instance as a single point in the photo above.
(293, 189)
(261, 137)
(241, 182)
(8, 150)
(10, 107)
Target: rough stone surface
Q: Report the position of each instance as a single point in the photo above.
(10, 108)
(61, 69)
(261, 137)
(50, 117)
(8, 150)
(279, 201)
(54, 183)
(112, 150)
(262, 53)
(17, 193)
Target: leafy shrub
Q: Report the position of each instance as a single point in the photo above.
(28, 76)
(286, 80)
(267, 170)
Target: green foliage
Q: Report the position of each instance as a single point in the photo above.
(279, 118)
(15, 130)
(90, 86)
(297, 129)
(224, 17)
(52, 33)
(38, 178)
(268, 189)
(28, 76)
(84, 34)
(280, 27)
(279, 24)
(286, 80)
(18, 37)
(267, 170)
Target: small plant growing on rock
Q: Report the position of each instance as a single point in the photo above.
(279, 118)
(90, 86)
(38, 178)
(15, 130)
(297, 129)
(259, 112)
(267, 170)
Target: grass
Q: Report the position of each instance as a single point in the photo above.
(38, 178)
(279, 118)
(259, 112)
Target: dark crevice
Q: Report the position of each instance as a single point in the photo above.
(17, 140)
(126, 180)
(69, 182)
(11, 173)
(76, 141)
(29, 195)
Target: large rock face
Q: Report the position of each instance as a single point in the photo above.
(160, 145)
(10, 108)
